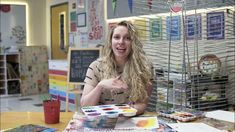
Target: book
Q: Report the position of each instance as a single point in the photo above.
(30, 128)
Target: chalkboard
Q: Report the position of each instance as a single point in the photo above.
(79, 61)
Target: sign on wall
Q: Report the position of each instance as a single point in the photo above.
(12, 25)
(215, 25)
(96, 22)
(173, 26)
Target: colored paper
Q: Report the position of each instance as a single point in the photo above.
(114, 5)
(141, 27)
(130, 4)
(215, 25)
(137, 123)
(173, 27)
(155, 26)
(194, 26)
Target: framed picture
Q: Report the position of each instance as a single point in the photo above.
(173, 27)
(215, 25)
(155, 26)
(81, 6)
(193, 27)
(81, 19)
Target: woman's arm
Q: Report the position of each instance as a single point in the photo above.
(91, 94)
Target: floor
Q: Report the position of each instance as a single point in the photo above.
(27, 103)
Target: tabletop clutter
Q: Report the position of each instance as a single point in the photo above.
(122, 117)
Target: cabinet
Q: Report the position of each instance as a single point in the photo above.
(9, 74)
(34, 70)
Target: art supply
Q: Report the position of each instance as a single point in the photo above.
(147, 123)
(111, 111)
(178, 115)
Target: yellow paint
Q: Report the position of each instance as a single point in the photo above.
(146, 123)
(129, 110)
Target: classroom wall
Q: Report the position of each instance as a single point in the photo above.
(36, 22)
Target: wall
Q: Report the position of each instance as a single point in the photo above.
(141, 7)
(36, 20)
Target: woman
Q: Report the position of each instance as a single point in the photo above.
(122, 75)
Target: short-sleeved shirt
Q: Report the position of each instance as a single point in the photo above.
(93, 77)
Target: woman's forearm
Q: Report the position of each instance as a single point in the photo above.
(92, 98)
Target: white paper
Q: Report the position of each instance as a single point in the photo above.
(193, 127)
(222, 115)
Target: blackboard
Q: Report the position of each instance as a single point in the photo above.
(79, 61)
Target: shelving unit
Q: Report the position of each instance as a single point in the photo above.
(201, 97)
(9, 74)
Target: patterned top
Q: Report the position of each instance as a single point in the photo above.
(93, 77)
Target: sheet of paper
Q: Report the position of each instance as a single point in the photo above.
(193, 127)
(137, 123)
(222, 115)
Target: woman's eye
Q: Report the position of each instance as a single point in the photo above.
(116, 37)
(128, 38)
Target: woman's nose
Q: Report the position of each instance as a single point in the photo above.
(121, 40)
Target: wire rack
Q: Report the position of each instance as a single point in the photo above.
(193, 52)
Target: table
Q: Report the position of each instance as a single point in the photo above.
(14, 119)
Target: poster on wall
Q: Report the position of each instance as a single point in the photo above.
(173, 27)
(73, 21)
(141, 27)
(155, 26)
(96, 22)
(83, 40)
(193, 27)
(215, 25)
(12, 25)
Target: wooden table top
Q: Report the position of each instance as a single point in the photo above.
(14, 119)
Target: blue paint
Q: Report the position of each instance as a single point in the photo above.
(88, 111)
(112, 112)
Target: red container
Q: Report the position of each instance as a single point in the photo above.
(51, 111)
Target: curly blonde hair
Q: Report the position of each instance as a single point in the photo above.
(137, 70)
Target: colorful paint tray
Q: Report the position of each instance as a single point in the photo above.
(179, 115)
(111, 111)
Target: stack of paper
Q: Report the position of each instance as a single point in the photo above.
(193, 127)
(221, 115)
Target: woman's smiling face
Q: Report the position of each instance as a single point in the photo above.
(121, 42)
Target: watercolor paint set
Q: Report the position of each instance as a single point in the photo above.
(111, 111)
(179, 115)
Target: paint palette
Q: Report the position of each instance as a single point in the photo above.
(111, 111)
(179, 115)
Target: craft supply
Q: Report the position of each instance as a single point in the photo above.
(178, 115)
(111, 111)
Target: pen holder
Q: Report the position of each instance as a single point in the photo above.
(51, 111)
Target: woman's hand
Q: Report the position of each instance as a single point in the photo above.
(113, 83)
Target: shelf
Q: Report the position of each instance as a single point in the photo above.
(9, 74)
